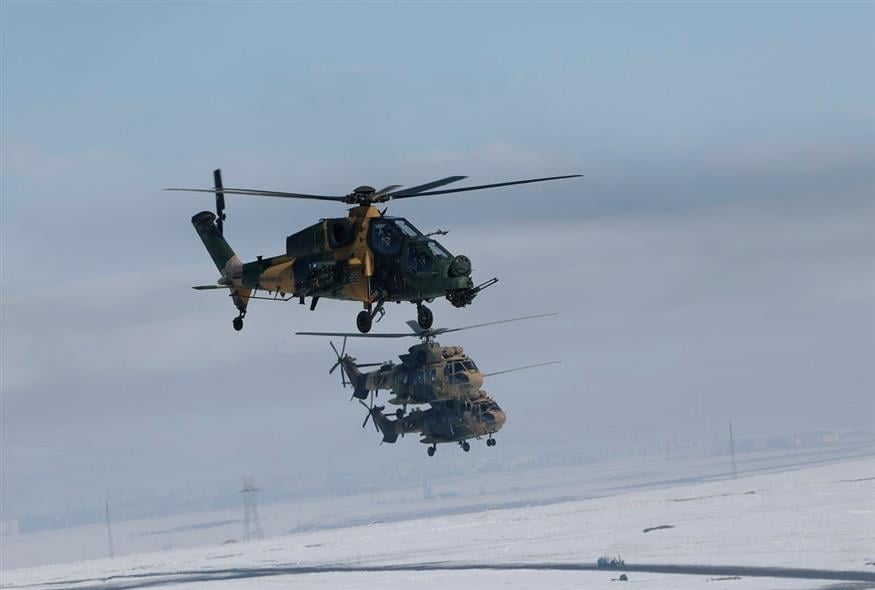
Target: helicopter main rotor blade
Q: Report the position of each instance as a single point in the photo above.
(521, 368)
(220, 200)
(368, 417)
(407, 194)
(258, 193)
(357, 334)
(423, 333)
(414, 190)
(438, 331)
(388, 189)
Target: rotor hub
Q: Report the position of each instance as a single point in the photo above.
(362, 195)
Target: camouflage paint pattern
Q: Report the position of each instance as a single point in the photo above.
(363, 257)
(444, 422)
(428, 373)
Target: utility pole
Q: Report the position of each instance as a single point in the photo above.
(109, 531)
(251, 522)
(732, 451)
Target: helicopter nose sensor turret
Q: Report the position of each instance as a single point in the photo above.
(460, 266)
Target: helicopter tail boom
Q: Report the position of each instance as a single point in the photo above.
(205, 223)
(355, 376)
(383, 425)
(386, 426)
(220, 251)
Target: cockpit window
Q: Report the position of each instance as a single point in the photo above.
(419, 260)
(408, 229)
(459, 378)
(438, 250)
(459, 367)
(385, 237)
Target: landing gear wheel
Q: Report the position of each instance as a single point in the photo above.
(364, 321)
(490, 442)
(238, 323)
(466, 447)
(399, 413)
(430, 451)
(424, 317)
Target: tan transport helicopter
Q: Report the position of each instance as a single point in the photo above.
(444, 422)
(365, 256)
(442, 376)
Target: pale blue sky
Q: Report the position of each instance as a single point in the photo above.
(651, 101)
(716, 259)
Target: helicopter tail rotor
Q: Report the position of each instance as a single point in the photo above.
(349, 370)
(220, 200)
(340, 358)
(373, 412)
(381, 423)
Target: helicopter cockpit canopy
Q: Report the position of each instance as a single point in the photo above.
(387, 235)
(457, 372)
(487, 405)
(384, 237)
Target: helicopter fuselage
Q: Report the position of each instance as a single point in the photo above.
(428, 373)
(362, 257)
(447, 421)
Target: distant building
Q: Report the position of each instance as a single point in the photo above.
(817, 438)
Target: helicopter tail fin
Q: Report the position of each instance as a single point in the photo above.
(355, 376)
(222, 254)
(386, 426)
(226, 261)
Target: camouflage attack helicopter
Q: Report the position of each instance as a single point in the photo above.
(364, 256)
(442, 376)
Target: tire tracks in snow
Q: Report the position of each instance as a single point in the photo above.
(862, 579)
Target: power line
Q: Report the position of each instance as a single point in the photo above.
(732, 451)
(109, 531)
(251, 521)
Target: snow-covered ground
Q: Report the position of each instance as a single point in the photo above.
(820, 518)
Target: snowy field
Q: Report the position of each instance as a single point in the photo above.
(819, 519)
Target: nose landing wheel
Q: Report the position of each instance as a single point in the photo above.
(430, 450)
(465, 446)
(424, 317)
(364, 321)
(238, 321)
